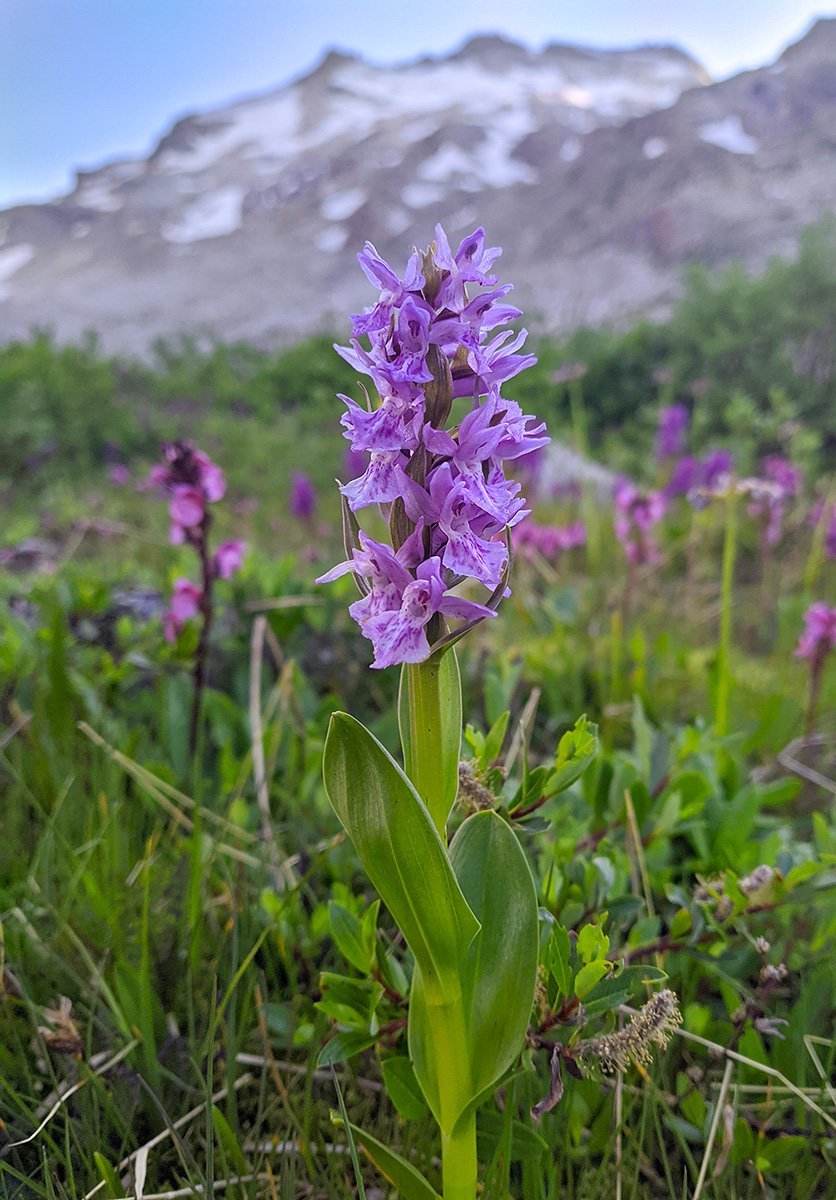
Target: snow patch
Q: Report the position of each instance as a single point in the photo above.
(419, 195)
(730, 135)
(362, 97)
(98, 194)
(11, 260)
(213, 215)
(331, 239)
(342, 205)
(654, 147)
(397, 220)
(570, 150)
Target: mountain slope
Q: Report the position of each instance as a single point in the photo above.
(599, 172)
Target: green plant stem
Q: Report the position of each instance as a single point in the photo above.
(458, 1160)
(430, 714)
(458, 1135)
(721, 705)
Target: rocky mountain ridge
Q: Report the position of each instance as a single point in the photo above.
(600, 172)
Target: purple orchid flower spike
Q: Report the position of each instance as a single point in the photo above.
(673, 425)
(444, 490)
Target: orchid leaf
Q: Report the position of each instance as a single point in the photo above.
(499, 971)
(400, 849)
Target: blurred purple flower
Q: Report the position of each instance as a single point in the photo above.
(192, 480)
(714, 468)
(548, 540)
(785, 480)
(302, 496)
(683, 477)
(788, 476)
(185, 604)
(819, 636)
(119, 474)
(187, 506)
(636, 513)
(673, 425)
(229, 558)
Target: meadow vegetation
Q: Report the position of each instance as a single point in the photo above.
(196, 974)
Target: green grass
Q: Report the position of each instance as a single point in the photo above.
(182, 906)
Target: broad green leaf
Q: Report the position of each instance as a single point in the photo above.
(430, 718)
(498, 973)
(410, 1183)
(350, 937)
(400, 849)
(403, 1088)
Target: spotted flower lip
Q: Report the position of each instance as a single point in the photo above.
(426, 343)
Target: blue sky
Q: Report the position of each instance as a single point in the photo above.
(85, 81)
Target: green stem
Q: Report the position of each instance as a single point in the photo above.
(451, 1052)
(721, 707)
(430, 715)
(458, 1160)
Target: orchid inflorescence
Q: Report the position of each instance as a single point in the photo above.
(636, 513)
(192, 481)
(819, 636)
(550, 541)
(673, 425)
(443, 491)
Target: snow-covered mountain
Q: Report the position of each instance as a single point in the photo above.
(600, 172)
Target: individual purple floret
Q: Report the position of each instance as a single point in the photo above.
(673, 425)
(815, 644)
(819, 636)
(443, 489)
(186, 600)
(784, 481)
(636, 513)
(683, 477)
(714, 468)
(229, 558)
(118, 474)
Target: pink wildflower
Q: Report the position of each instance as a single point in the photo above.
(819, 636)
(229, 557)
(185, 604)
